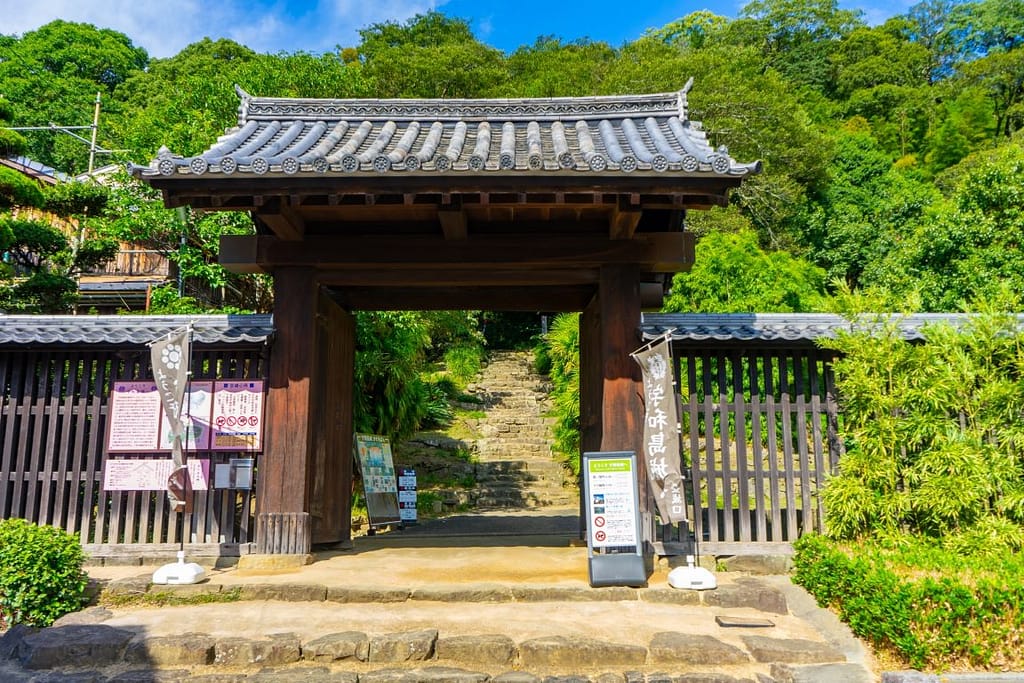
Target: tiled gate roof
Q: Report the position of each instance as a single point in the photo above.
(638, 134)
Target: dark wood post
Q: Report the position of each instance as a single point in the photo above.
(331, 471)
(283, 525)
(621, 406)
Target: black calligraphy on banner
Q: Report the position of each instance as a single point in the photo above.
(661, 431)
(171, 358)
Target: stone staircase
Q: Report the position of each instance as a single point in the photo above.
(516, 467)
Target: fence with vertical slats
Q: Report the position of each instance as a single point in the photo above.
(55, 401)
(759, 426)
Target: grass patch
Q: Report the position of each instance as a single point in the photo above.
(159, 597)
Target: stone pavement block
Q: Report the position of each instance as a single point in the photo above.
(909, 676)
(407, 646)
(819, 673)
(89, 615)
(188, 590)
(791, 650)
(66, 677)
(707, 678)
(318, 674)
(482, 649)
(219, 678)
(464, 593)
(97, 644)
(525, 593)
(188, 649)
(746, 592)
(574, 652)
(670, 647)
(132, 585)
(11, 641)
(288, 592)
(671, 596)
(759, 564)
(566, 679)
(338, 646)
(279, 648)
(515, 677)
(151, 676)
(438, 674)
(367, 594)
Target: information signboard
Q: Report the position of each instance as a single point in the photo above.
(407, 495)
(134, 423)
(380, 485)
(237, 415)
(150, 474)
(196, 417)
(614, 542)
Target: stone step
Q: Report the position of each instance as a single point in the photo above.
(81, 647)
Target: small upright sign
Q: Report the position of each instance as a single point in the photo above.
(614, 542)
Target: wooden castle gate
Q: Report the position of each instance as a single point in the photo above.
(562, 204)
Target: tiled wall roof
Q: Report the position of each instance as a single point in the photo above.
(781, 326)
(130, 329)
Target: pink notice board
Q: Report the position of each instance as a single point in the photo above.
(237, 415)
(135, 412)
(150, 474)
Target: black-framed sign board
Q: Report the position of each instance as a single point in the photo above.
(614, 541)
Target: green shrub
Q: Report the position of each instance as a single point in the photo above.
(930, 608)
(41, 577)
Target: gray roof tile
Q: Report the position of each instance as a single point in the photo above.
(622, 134)
(131, 329)
(779, 326)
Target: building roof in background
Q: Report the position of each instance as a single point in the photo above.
(131, 329)
(34, 169)
(629, 134)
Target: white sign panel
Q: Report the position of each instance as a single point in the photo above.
(612, 506)
(196, 418)
(237, 415)
(135, 412)
(148, 474)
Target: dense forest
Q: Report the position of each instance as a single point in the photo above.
(892, 154)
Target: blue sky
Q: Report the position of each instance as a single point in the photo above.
(164, 28)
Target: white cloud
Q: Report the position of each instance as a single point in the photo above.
(164, 28)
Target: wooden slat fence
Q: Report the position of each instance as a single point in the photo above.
(759, 437)
(52, 428)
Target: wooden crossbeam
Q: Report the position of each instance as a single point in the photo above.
(651, 252)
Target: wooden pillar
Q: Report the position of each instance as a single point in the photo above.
(331, 472)
(611, 411)
(283, 525)
(621, 406)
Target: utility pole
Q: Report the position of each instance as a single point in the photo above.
(95, 129)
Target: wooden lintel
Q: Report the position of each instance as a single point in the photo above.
(454, 224)
(284, 221)
(530, 299)
(665, 252)
(447, 277)
(623, 220)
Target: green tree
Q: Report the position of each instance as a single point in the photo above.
(969, 246)
(551, 68)
(732, 274)
(42, 262)
(431, 55)
(53, 74)
(796, 37)
(934, 443)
